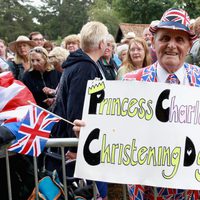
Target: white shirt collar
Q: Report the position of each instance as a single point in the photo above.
(181, 73)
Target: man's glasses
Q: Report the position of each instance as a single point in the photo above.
(38, 39)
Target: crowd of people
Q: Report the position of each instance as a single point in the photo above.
(57, 75)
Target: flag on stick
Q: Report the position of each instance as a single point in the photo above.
(32, 132)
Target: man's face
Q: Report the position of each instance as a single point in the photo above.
(147, 36)
(38, 39)
(171, 48)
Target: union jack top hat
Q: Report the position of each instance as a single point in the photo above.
(176, 19)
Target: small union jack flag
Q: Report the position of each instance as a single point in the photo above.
(177, 15)
(32, 132)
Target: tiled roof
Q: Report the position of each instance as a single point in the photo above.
(124, 28)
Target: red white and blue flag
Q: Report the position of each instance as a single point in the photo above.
(31, 125)
(14, 97)
(32, 132)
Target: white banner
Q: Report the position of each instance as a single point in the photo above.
(141, 133)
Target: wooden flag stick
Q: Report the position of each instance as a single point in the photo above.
(51, 113)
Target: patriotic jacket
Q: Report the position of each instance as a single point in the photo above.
(139, 192)
(149, 74)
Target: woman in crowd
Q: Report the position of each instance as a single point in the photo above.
(4, 66)
(48, 45)
(71, 42)
(41, 74)
(21, 62)
(122, 51)
(137, 57)
(106, 62)
(3, 49)
(56, 58)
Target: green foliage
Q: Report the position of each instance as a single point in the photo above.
(141, 11)
(63, 18)
(145, 11)
(102, 11)
(193, 8)
(15, 20)
(58, 18)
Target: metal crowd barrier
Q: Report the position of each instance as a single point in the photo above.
(58, 142)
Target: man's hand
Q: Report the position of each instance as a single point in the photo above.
(78, 124)
(70, 155)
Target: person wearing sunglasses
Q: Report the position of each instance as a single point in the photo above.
(41, 74)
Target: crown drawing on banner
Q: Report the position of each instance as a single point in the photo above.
(96, 87)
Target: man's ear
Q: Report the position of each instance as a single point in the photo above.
(101, 44)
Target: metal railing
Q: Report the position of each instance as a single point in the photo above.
(58, 142)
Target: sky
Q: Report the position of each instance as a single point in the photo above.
(36, 3)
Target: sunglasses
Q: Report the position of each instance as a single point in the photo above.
(51, 57)
(39, 50)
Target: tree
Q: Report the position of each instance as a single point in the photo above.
(102, 11)
(61, 18)
(145, 11)
(58, 18)
(141, 11)
(15, 19)
(191, 6)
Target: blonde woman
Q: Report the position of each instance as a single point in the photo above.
(41, 74)
(57, 56)
(137, 57)
(21, 62)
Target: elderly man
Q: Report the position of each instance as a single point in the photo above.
(77, 70)
(172, 40)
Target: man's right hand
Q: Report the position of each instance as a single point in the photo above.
(78, 124)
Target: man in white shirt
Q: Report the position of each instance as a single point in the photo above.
(172, 39)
